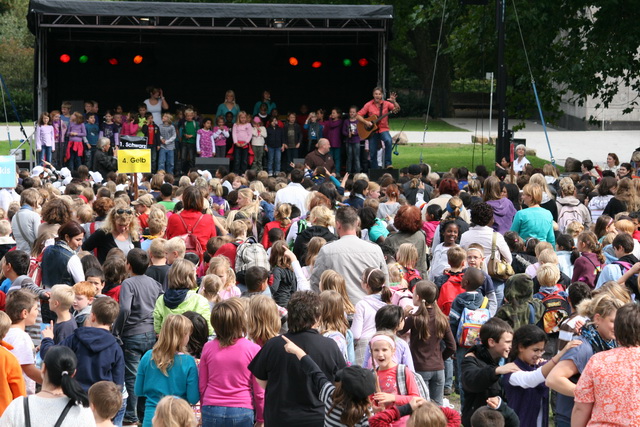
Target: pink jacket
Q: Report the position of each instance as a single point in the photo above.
(242, 133)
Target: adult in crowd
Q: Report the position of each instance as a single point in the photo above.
(607, 392)
(266, 99)
(415, 186)
(503, 210)
(625, 199)
(320, 157)
(447, 189)
(379, 107)
(156, 103)
(613, 162)
(349, 255)
(26, 221)
(192, 219)
(605, 189)
(55, 212)
(102, 161)
(60, 262)
(101, 207)
(570, 203)
(481, 233)
(294, 193)
(121, 230)
(625, 170)
(548, 197)
(534, 221)
(228, 106)
(289, 396)
(321, 218)
(409, 225)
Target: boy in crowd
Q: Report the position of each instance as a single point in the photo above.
(152, 132)
(481, 369)
(15, 268)
(6, 241)
(22, 308)
(257, 282)
(95, 276)
(62, 297)
(91, 140)
(475, 258)
(623, 249)
(175, 249)
(85, 293)
(11, 381)
(134, 326)
(556, 306)
(450, 283)
(577, 292)
(158, 253)
(238, 230)
(105, 401)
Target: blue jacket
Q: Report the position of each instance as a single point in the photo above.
(99, 356)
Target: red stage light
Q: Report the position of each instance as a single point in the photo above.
(316, 64)
(137, 59)
(293, 61)
(363, 62)
(64, 58)
(113, 61)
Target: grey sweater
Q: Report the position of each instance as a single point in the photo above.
(26, 221)
(138, 296)
(168, 132)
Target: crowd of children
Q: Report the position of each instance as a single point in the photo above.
(297, 299)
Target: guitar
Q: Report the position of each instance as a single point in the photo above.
(365, 131)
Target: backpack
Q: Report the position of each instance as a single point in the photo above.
(471, 321)
(597, 270)
(556, 310)
(449, 291)
(35, 270)
(191, 242)
(401, 380)
(631, 282)
(250, 254)
(412, 276)
(567, 215)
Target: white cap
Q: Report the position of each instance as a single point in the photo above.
(65, 172)
(96, 176)
(37, 171)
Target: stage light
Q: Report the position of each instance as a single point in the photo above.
(137, 59)
(316, 64)
(113, 61)
(83, 59)
(293, 61)
(64, 58)
(346, 62)
(363, 62)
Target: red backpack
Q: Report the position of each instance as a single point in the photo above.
(449, 291)
(191, 242)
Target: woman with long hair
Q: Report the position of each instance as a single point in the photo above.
(503, 210)
(121, 230)
(263, 319)
(625, 199)
(408, 222)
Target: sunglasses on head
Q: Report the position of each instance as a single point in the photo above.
(124, 211)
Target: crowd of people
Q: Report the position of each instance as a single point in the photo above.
(297, 299)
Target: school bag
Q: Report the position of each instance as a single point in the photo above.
(401, 380)
(250, 254)
(631, 282)
(449, 290)
(191, 242)
(412, 276)
(567, 215)
(556, 310)
(471, 321)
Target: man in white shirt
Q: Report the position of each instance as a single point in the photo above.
(294, 193)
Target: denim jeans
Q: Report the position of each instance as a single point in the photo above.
(435, 382)
(225, 416)
(374, 142)
(75, 161)
(134, 347)
(165, 160)
(335, 153)
(274, 156)
(154, 158)
(460, 352)
(353, 158)
(119, 418)
(44, 153)
(448, 373)
(499, 287)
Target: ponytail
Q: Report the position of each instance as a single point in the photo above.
(72, 389)
(61, 363)
(427, 291)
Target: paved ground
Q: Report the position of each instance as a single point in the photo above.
(582, 145)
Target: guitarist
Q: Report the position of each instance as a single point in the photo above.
(379, 107)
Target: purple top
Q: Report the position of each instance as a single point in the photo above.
(333, 132)
(503, 213)
(350, 126)
(79, 130)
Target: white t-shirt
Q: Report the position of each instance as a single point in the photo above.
(518, 166)
(45, 412)
(24, 351)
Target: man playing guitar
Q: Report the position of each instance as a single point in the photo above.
(380, 108)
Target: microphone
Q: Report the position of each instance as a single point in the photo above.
(179, 103)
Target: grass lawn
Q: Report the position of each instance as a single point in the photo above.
(443, 157)
(416, 124)
(4, 147)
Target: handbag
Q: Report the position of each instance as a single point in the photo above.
(497, 267)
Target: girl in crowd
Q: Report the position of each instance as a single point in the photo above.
(332, 281)
(221, 267)
(282, 221)
(284, 282)
(228, 390)
(432, 217)
(210, 287)
(263, 319)
(333, 324)
(439, 261)
(407, 257)
(167, 369)
(45, 138)
(75, 147)
(220, 136)
(241, 143)
(587, 259)
(313, 248)
(173, 411)
(205, 142)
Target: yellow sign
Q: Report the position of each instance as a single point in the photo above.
(133, 161)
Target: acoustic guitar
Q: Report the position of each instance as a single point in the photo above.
(365, 131)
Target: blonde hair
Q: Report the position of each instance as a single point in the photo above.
(210, 286)
(157, 220)
(625, 226)
(158, 248)
(182, 275)
(5, 324)
(332, 316)
(541, 246)
(534, 191)
(548, 256)
(127, 217)
(616, 290)
(322, 216)
(263, 319)
(215, 186)
(84, 214)
(64, 294)
(176, 244)
(604, 304)
(238, 228)
(174, 412)
(407, 255)
(567, 187)
(427, 415)
(222, 261)
(331, 280)
(257, 186)
(548, 275)
(174, 328)
(5, 228)
(538, 178)
(313, 248)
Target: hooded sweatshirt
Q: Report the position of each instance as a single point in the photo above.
(178, 301)
(572, 201)
(470, 300)
(303, 238)
(520, 306)
(364, 324)
(100, 357)
(503, 213)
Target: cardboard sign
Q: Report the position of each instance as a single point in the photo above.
(8, 177)
(134, 161)
(129, 142)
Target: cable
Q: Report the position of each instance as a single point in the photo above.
(6, 116)
(433, 76)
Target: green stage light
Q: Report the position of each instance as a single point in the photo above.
(83, 59)
(346, 62)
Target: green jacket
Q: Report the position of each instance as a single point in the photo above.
(192, 302)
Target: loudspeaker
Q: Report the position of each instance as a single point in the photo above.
(376, 174)
(212, 163)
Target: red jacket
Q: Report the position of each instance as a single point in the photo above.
(229, 250)
(206, 227)
(270, 226)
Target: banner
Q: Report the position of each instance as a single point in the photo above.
(8, 177)
(134, 161)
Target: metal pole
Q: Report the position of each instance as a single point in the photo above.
(502, 143)
(490, 103)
